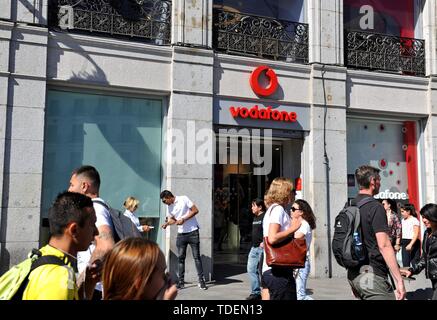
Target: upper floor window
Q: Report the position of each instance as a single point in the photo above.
(261, 28)
(397, 18)
(384, 36)
(290, 10)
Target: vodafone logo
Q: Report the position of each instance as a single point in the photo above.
(257, 88)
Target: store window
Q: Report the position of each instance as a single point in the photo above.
(290, 10)
(120, 136)
(390, 17)
(390, 147)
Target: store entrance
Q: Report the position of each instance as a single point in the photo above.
(236, 185)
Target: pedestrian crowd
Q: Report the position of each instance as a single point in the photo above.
(86, 258)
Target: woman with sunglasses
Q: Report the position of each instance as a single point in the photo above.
(301, 208)
(135, 270)
(428, 260)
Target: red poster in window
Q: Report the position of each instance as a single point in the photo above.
(410, 148)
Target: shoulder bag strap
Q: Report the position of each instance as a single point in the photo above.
(101, 203)
(42, 260)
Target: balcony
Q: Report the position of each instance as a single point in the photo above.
(263, 37)
(372, 51)
(144, 20)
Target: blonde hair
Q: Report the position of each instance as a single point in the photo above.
(279, 191)
(130, 260)
(131, 203)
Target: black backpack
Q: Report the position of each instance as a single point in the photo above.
(123, 226)
(347, 223)
(14, 282)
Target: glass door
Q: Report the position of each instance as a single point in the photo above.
(235, 186)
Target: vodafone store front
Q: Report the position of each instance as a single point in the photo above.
(391, 146)
(256, 141)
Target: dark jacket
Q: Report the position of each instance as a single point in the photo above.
(428, 261)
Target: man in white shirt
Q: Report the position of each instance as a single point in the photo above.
(181, 211)
(86, 180)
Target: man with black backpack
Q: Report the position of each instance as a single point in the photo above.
(86, 180)
(369, 279)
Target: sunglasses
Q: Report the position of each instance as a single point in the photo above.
(294, 209)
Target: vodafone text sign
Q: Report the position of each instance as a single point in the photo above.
(262, 113)
(243, 113)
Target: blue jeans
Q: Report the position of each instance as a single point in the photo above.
(182, 241)
(253, 261)
(301, 281)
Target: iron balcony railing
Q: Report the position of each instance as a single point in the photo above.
(148, 20)
(373, 51)
(260, 36)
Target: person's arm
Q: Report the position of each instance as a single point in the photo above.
(388, 254)
(169, 222)
(409, 247)
(275, 235)
(88, 279)
(418, 267)
(104, 243)
(193, 211)
(398, 228)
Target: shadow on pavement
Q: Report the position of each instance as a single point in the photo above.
(223, 273)
(420, 294)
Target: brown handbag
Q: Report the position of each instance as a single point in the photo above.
(290, 252)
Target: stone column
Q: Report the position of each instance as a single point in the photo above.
(22, 103)
(429, 21)
(430, 145)
(189, 169)
(326, 178)
(326, 31)
(192, 22)
(327, 192)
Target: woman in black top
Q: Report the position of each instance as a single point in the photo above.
(428, 261)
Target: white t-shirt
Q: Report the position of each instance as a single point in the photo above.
(134, 220)
(103, 218)
(275, 214)
(407, 227)
(308, 233)
(180, 209)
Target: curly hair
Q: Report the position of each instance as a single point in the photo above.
(280, 191)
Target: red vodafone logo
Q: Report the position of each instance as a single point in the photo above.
(257, 88)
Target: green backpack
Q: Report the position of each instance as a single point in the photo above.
(14, 282)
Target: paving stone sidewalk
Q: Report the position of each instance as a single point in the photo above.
(234, 285)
